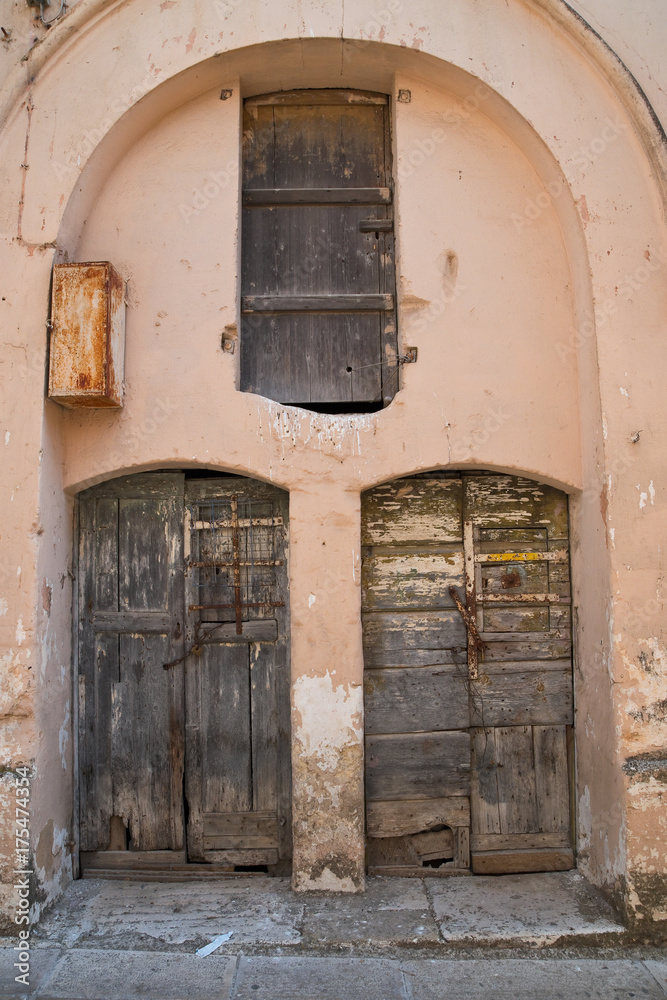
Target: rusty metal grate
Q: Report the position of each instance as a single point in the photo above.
(233, 552)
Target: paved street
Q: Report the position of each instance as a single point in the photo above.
(514, 937)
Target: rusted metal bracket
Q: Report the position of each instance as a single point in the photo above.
(236, 549)
(475, 643)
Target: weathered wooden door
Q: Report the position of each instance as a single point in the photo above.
(468, 679)
(318, 313)
(237, 775)
(183, 674)
(131, 721)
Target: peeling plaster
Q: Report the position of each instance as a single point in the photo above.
(330, 719)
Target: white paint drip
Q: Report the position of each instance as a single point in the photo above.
(612, 535)
(311, 600)
(63, 736)
(7, 436)
(3, 606)
(651, 492)
(642, 500)
(624, 392)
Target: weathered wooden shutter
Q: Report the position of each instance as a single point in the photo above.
(237, 677)
(130, 623)
(318, 313)
(468, 675)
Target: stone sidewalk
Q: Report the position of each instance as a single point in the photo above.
(514, 936)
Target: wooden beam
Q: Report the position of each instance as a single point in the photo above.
(316, 303)
(316, 196)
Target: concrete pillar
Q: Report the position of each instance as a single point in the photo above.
(327, 690)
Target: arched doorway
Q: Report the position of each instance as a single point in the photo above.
(468, 675)
(183, 666)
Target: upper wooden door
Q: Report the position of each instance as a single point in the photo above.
(468, 675)
(318, 311)
(183, 674)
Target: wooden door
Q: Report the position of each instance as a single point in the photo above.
(183, 675)
(468, 675)
(318, 312)
(237, 697)
(130, 607)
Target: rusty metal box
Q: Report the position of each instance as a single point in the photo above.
(87, 335)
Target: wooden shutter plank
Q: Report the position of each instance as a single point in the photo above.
(422, 699)
(317, 196)
(365, 302)
(421, 765)
(297, 97)
(321, 145)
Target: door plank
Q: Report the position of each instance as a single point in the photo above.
(399, 819)
(518, 841)
(411, 580)
(484, 795)
(416, 510)
(508, 862)
(517, 792)
(420, 765)
(552, 778)
(421, 699)
(522, 697)
(225, 729)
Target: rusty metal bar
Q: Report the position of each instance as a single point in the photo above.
(475, 642)
(559, 555)
(238, 606)
(244, 604)
(240, 562)
(243, 522)
(525, 598)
